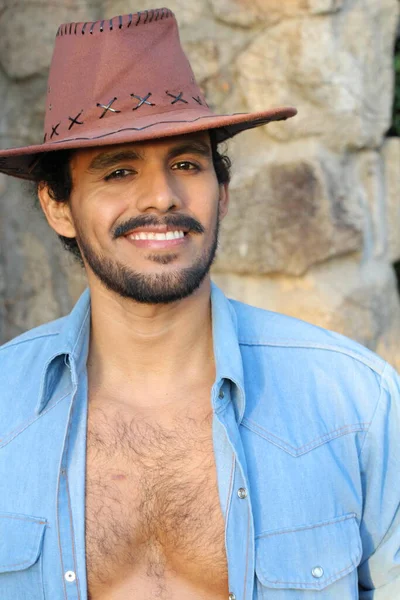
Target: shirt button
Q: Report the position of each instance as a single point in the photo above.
(221, 394)
(242, 493)
(232, 596)
(317, 572)
(70, 576)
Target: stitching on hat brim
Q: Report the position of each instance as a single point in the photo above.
(250, 123)
(228, 130)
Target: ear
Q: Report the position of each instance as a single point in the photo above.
(58, 214)
(223, 199)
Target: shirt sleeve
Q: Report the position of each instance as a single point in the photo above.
(379, 570)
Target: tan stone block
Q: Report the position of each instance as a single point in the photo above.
(337, 71)
(41, 304)
(204, 57)
(211, 48)
(37, 287)
(293, 208)
(322, 7)
(26, 47)
(391, 160)
(242, 13)
(248, 13)
(186, 13)
(22, 116)
(359, 300)
(368, 164)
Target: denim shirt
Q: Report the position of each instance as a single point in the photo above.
(306, 433)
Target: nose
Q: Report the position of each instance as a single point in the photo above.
(158, 193)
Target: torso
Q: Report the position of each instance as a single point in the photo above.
(154, 527)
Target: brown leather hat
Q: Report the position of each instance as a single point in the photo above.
(124, 79)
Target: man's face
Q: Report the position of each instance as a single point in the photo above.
(146, 215)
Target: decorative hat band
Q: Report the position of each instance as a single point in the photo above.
(122, 80)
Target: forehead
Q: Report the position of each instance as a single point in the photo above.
(143, 147)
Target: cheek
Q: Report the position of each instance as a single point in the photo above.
(207, 202)
(97, 213)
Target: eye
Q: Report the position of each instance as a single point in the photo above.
(185, 165)
(118, 174)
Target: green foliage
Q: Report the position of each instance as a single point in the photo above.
(395, 128)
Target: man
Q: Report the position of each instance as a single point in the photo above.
(162, 441)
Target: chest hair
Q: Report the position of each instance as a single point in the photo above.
(151, 499)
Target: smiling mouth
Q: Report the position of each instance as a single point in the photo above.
(160, 236)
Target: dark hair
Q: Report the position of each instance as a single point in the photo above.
(53, 170)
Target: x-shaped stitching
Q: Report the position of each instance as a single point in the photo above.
(55, 132)
(142, 100)
(178, 98)
(75, 120)
(108, 107)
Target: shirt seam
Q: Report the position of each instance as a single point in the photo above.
(382, 540)
(58, 534)
(10, 344)
(72, 535)
(71, 522)
(304, 345)
(29, 423)
(296, 450)
(375, 411)
(247, 552)
(309, 585)
(80, 331)
(307, 527)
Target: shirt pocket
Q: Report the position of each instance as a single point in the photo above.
(21, 542)
(305, 561)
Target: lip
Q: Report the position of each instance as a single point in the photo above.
(157, 244)
(157, 229)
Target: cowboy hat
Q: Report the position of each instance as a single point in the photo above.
(124, 79)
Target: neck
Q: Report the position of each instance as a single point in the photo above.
(142, 352)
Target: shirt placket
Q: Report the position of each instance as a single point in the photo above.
(239, 528)
(65, 524)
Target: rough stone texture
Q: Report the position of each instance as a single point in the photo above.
(391, 159)
(34, 264)
(373, 199)
(315, 210)
(355, 298)
(289, 213)
(26, 47)
(246, 13)
(337, 70)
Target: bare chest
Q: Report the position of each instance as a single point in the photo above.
(152, 508)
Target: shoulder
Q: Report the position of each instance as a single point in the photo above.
(306, 382)
(267, 330)
(31, 344)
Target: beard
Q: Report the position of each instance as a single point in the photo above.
(155, 288)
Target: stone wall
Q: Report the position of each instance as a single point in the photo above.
(315, 201)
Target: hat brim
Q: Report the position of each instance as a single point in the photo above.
(21, 162)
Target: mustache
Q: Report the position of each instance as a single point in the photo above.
(178, 221)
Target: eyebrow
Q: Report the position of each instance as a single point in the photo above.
(105, 160)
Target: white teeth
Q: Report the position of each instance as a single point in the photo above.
(151, 235)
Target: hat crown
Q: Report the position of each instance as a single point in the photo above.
(133, 19)
(124, 80)
(117, 70)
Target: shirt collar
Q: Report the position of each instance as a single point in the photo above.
(70, 347)
(228, 358)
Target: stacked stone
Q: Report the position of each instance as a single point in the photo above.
(313, 227)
